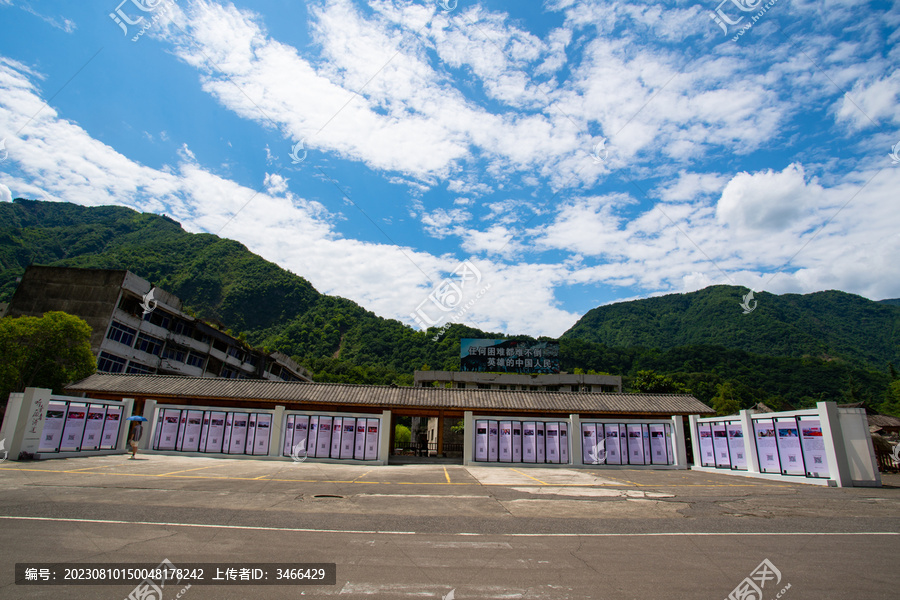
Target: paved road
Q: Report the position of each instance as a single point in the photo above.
(426, 531)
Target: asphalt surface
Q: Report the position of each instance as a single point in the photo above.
(446, 531)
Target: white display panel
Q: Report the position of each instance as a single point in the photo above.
(348, 439)
(658, 453)
(529, 445)
(263, 434)
(493, 440)
(813, 444)
(359, 452)
(788, 436)
(250, 440)
(204, 431)
(504, 446)
(564, 443)
(707, 452)
(540, 442)
(372, 431)
(589, 443)
(93, 429)
(288, 444)
(635, 445)
(54, 421)
(312, 435)
(645, 435)
(613, 445)
(517, 441)
(168, 429)
(551, 431)
(323, 445)
(182, 426)
(720, 445)
(337, 430)
(736, 446)
(74, 427)
(111, 425)
(481, 441)
(238, 442)
(300, 442)
(191, 438)
(216, 435)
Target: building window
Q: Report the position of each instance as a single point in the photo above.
(159, 318)
(484, 386)
(229, 373)
(182, 327)
(121, 333)
(139, 369)
(149, 344)
(461, 386)
(175, 353)
(575, 388)
(108, 363)
(236, 352)
(195, 360)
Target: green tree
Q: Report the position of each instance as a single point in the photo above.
(650, 382)
(726, 400)
(401, 434)
(49, 352)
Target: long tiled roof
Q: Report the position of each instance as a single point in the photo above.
(189, 388)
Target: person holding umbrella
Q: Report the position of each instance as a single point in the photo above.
(136, 432)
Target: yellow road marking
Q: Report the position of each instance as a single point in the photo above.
(89, 468)
(528, 476)
(363, 475)
(447, 475)
(187, 470)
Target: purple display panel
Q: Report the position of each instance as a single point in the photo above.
(539, 442)
(613, 445)
(658, 453)
(238, 441)
(263, 434)
(707, 452)
(323, 444)
(504, 446)
(736, 446)
(813, 443)
(359, 452)
(481, 441)
(204, 431)
(250, 442)
(168, 432)
(337, 430)
(216, 435)
(564, 443)
(93, 429)
(720, 445)
(635, 445)
(529, 445)
(645, 435)
(589, 443)
(551, 431)
(348, 438)
(312, 435)
(372, 430)
(493, 440)
(182, 426)
(300, 444)
(191, 437)
(788, 436)
(73, 430)
(517, 441)
(54, 422)
(288, 444)
(110, 436)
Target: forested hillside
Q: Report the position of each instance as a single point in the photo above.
(791, 351)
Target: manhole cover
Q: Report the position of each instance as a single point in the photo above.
(327, 496)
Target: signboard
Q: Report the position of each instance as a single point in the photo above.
(110, 436)
(182, 425)
(93, 429)
(720, 445)
(226, 435)
(481, 441)
(529, 445)
(301, 437)
(238, 433)
(564, 443)
(263, 434)
(288, 444)
(204, 431)
(736, 446)
(216, 433)
(168, 430)
(539, 443)
(372, 426)
(337, 430)
(192, 431)
(312, 436)
(505, 444)
(348, 439)
(552, 440)
(51, 437)
(74, 427)
(813, 444)
(359, 453)
(509, 356)
(517, 441)
(635, 445)
(493, 440)
(589, 443)
(323, 445)
(659, 454)
(766, 446)
(788, 436)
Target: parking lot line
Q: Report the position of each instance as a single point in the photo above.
(528, 476)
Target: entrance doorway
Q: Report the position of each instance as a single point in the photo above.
(426, 438)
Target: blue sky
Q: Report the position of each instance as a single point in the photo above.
(509, 165)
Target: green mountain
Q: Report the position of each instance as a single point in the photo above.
(828, 325)
(790, 351)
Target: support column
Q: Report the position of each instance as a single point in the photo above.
(150, 413)
(468, 437)
(749, 442)
(680, 442)
(695, 441)
(387, 441)
(576, 457)
(440, 434)
(833, 438)
(277, 421)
